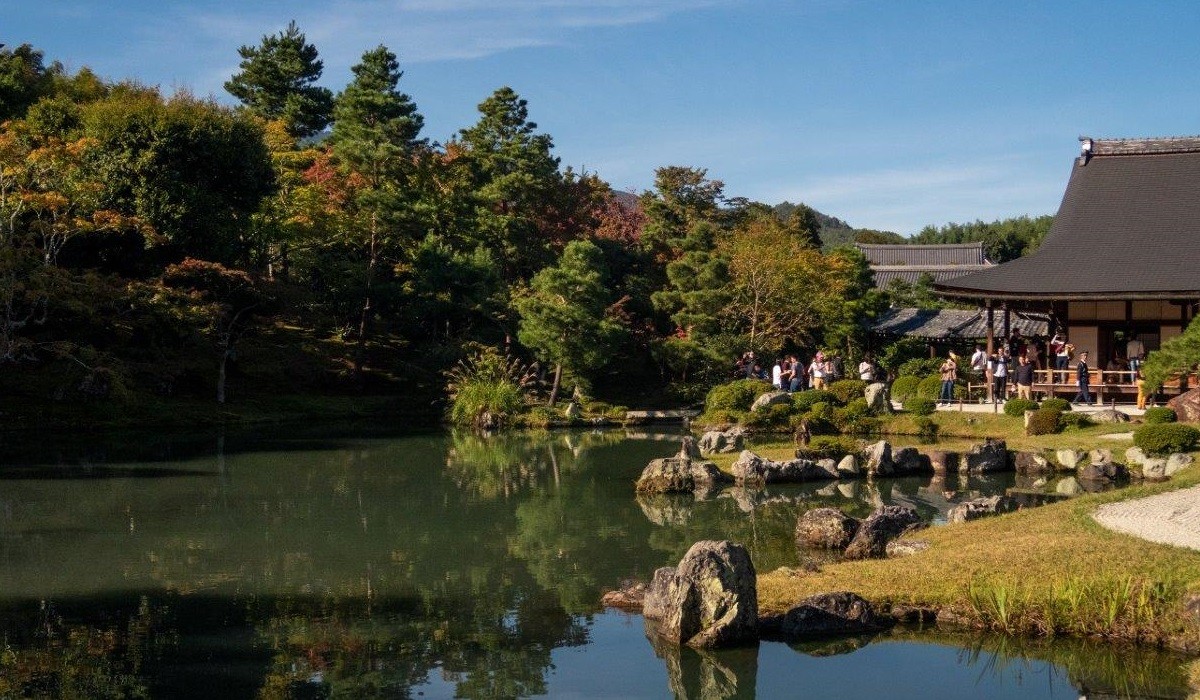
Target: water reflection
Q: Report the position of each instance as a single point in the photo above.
(448, 565)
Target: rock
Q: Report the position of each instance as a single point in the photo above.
(1031, 463)
(1109, 415)
(878, 459)
(905, 548)
(980, 508)
(771, 398)
(710, 600)
(689, 449)
(753, 469)
(883, 526)
(848, 467)
(1187, 406)
(1099, 456)
(1028, 419)
(826, 615)
(1154, 468)
(1039, 483)
(942, 462)
(990, 456)
(1178, 461)
(1068, 486)
(677, 475)
(630, 597)
(830, 466)
(908, 461)
(1134, 455)
(826, 528)
(722, 441)
(878, 401)
(1069, 459)
(573, 411)
(913, 614)
(1034, 499)
(1105, 472)
(848, 489)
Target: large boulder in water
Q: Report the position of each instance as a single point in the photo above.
(883, 526)
(827, 528)
(679, 475)
(986, 457)
(709, 600)
(825, 615)
(908, 461)
(755, 470)
(878, 459)
(1104, 472)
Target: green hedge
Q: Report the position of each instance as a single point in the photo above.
(920, 406)
(930, 387)
(1165, 438)
(905, 387)
(847, 390)
(1160, 414)
(1075, 420)
(805, 400)
(1018, 407)
(736, 395)
(1044, 421)
(922, 367)
(1054, 404)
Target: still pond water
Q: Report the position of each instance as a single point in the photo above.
(313, 565)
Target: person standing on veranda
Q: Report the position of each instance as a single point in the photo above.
(1135, 351)
(1024, 376)
(1082, 378)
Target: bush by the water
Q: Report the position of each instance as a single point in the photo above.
(805, 400)
(1164, 438)
(1160, 414)
(926, 428)
(920, 406)
(486, 389)
(1055, 404)
(904, 387)
(1075, 419)
(831, 446)
(1044, 421)
(855, 418)
(1018, 407)
(774, 416)
(846, 390)
(736, 395)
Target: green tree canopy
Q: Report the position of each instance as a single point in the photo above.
(1179, 355)
(277, 80)
(23, 79)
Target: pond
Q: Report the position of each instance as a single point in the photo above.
(325, 563)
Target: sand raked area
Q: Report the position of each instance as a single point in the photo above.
(1168, 518)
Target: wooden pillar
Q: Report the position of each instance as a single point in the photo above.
(1007, 323)
(991, 343)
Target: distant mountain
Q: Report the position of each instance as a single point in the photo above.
(836, 232)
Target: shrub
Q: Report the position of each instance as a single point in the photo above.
(805, 400)
(542, 417)
(721, 417)
(1074, 419)
(1044, 421)
(487, 388)
(921, 367)
(736, 395)
(1018, 407)
(926, 428)
(905, 387)
(855, 417)
(920, 406)
(930, 387)
(1160, 414)
(774, 416)
(1054, 404)
(847, 390)
(1164, 438)
(830, 446)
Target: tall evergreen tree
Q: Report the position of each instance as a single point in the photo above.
(278, 79)
(23, 79)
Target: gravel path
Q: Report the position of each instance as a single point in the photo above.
(1169, 518)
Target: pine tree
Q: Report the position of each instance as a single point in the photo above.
(278, 79)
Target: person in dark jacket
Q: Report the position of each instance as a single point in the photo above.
(1024, 375)
(1081, 376)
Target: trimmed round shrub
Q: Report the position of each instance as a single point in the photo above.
(904, 387)
(831, 446)
(926, 428)
(1044, 421)
(736, 395)
(847, 390)
(1075, 420)
(930, 387)
(774, 416)
(1160, 414)
(821, 410)
(1060, 405)
(920, 406)
(921, 367)
(1017, 407)
(854, 417)
(1165, 438)
(805, 400)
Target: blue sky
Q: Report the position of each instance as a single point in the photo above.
(891, 115)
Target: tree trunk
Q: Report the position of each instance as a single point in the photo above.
(554, 387)
(361, 348)
(221, 375)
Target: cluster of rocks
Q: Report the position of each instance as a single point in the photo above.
(830, 528)
(710, 600)
(1157, 468)
(686, 472)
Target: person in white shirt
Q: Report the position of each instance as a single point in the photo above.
(866, 370)
(816, 372)
(777, 374)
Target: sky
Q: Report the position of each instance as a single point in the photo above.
(891, 115)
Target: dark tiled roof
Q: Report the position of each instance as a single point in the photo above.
(884, 274)
(902, 254)
(1128, 228)
(955, 324)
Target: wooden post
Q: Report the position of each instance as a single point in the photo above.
(991, 344)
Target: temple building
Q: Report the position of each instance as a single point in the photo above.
(909, 263)
(1122, 259)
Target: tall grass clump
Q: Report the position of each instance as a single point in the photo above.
(487, 388)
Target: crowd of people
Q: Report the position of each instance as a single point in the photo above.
(789, 373)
